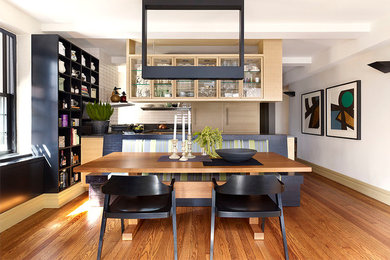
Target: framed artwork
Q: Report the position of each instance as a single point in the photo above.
(312, 113)
(343, 110)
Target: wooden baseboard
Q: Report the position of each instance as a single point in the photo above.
(20, 212)
(362, 187)
(30, 207)
(57, 200)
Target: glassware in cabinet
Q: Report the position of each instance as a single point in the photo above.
(185, 88)
(140, 88)
(162, 88)
(252, 83)
(229, 88)
(207, 88)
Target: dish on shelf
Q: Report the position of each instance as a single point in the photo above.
(236, 154)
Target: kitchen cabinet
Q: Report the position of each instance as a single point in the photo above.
(262, 76)
(185, 88)
(91, 149)
(162, 88)
(230, 117)
(241, 118)
(138, 88)
(230, 89)
(207, 114)
(248, 89)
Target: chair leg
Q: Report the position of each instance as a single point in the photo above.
(281, 220)
(174, 224)
(122, 225)
(262, 224)
(212, 226)
(102, 230)
(282, 227)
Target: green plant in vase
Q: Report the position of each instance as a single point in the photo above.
(209, 139)
(100, 114)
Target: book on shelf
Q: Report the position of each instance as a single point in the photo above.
(74, 137)
(84, 91)
(61, 141)
(93, 92)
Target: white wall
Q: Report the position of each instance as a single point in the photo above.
(22, 25)
(108, 78)
(282, 116)
(368, 159)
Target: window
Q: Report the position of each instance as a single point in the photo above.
(7, 92)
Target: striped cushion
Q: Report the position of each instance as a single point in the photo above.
(133, 145)
(159, 146)
(260, 146)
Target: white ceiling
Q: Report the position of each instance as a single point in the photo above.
(308, 27)
(265, 11)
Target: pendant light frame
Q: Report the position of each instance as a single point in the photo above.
(193, 72)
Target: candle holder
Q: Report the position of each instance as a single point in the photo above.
(189, 148)
(174, 155)
(184, 152)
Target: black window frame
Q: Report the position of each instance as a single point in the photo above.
(10, 97)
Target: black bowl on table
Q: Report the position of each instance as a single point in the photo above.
(138, 131)
(236, 155)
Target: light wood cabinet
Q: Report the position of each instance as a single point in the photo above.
(207, 114)
(91, 149)
(262, 77)
(251, 88)
(241, 118)
(272, 75)
(230, 117)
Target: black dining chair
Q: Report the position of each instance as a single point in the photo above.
(246, 196)
(138, 197)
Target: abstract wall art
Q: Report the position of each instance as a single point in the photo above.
(343, 110)
(312, 113)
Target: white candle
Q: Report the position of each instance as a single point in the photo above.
(189, 122)
(174, 128)
(183, 122)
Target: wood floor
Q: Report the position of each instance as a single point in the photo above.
(333, 222)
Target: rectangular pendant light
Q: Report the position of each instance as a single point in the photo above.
(193, 72)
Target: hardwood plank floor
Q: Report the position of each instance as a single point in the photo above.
(333, 222)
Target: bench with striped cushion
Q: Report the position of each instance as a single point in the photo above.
(164, 146)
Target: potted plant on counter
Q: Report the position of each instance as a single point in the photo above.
(100, 114)
(208, 140)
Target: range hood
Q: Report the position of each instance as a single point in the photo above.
(162, 107)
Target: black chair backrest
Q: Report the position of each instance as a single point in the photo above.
(135, 186)
(251, 185)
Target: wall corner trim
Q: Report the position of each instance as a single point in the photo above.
(359, 186)
(47, 200)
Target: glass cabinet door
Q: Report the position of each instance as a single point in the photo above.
(140, 88)
(162, 88)
(229, 88)
(252, 83)
(185, 88)
(207, 88)
(207, 62)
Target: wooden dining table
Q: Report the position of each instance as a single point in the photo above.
(147, 162)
